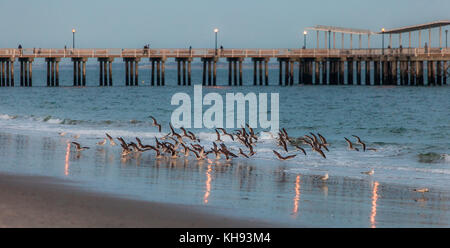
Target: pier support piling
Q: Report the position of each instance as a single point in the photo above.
(181, 70)
(317, 72)
(52, 71)
(159, 63)
(367, 72)
(7, 72)
(26, 71)
(349, 71)
(324, 71)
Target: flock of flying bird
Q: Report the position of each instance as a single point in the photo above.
(175, 144)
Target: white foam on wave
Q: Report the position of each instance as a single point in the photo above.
(266, 136)
(446, 157)
(7, 117)
(54, 121)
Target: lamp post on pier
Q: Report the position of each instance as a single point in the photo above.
(304, 39)
(329, 39)
(446, 33)
(216, 30)
(73, 38)
(382, 33)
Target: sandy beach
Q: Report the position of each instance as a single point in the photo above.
(44, 184)
(34, 201)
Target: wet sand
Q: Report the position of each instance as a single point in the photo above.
(96, 188)
(35, 201)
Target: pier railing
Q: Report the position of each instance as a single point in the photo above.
(244, 53)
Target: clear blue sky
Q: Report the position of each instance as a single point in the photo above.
(170, 23)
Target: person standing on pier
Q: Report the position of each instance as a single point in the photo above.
(145, 49)
(20, 49)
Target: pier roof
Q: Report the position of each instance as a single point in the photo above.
(340, 29)
(418, 27)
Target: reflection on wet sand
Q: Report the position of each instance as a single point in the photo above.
(373, 214)
(241, 186)
(66, 166)
(297, 195)
(208, 184)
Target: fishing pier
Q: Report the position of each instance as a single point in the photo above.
(407, 66)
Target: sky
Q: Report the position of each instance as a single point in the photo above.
(180, 24)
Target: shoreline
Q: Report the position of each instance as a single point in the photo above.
(34, 201)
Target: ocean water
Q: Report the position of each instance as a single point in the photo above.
(409, 127)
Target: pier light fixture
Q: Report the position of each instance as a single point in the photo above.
(73, 38)
(446, 33)
(329, 39)
(382, 34)
(216, 30)
(304, 39)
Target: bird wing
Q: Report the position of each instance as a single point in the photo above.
(349, 143)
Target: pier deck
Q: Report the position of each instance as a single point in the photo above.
(391, 66)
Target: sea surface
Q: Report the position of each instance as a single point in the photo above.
(409, 127)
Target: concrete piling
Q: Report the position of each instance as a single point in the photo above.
(367, 72)
(26, 71)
